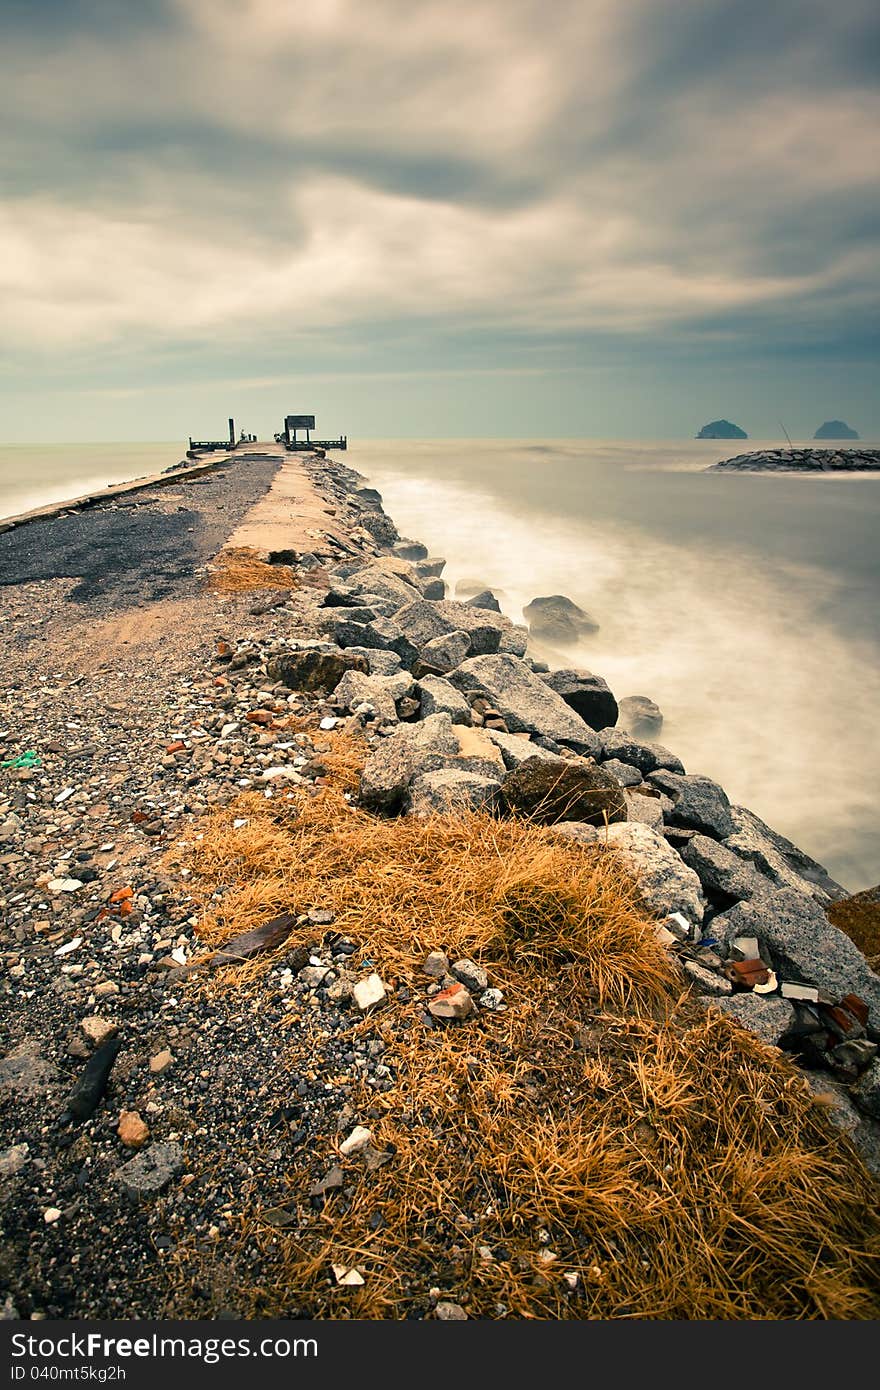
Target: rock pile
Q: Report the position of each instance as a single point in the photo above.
(801, 461)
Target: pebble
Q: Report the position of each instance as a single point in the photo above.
(436, 965)
(161, 1061)
(98, 1029)
(51, 1215)
(450, 1312)
(473, 976)
(132, 1130)
(452, 1003)
(369, 993)
(356, 1142)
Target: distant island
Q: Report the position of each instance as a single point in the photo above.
(721, 429)
(835, 429)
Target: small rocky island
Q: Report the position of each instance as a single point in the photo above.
(721, 429)
(801, 461)
(836, 429)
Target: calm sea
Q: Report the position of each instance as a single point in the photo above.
(747, 606)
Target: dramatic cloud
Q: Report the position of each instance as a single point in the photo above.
(668, 171)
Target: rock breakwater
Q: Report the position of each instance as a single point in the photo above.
(801, 461)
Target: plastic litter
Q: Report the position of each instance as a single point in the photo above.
(29, 759)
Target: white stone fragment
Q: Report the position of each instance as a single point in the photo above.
(369, 992)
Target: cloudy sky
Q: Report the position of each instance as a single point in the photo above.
(438, 217)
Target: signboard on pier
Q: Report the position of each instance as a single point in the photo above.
(299, 422)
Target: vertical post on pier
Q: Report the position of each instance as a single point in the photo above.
(232, 431)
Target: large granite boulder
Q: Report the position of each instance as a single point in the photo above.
(559, 790)
(588, 695)
(525, 702)
(484, 599)
(558, 620)
(392, 580)
(640, 716)
(423, 621)
(767, 1016)
(443, 653)
(380, 663)
(450, 789)
(384, 633)
(379, 692)
(438, 696)
(624, 747)
(777, 859)
(313, 670)
(665, 883)
(411, 749)
(698, 802)
(722, 873)
(516, 750)
(414, 749)
(805, 947)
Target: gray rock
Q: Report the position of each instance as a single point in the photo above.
(767, 1016)
(430, 568)
(150, 1171)
(484, 599)
(486, 628)
(778, 859)
(588, 695)
(515, 750)
(626, 774)
(356, 689)
(665, 883)
(379, 526)
(647, 757)
(406, 549)
(563, 790)
(433, 589)
(579, 832)
(446, 652)
(557, 619)
(863, 1130)
(13, 1159)
(804, 945)
(646, 809)
(380, 663)
(449, 789)
(439, 697)
(698, 802)
(422, 622)
(384, 633)
(866, 1091)
(514, 640)
(411, 749)
(720, 871)
(387, 582)
(640, 716)
(313, 670)
(525, 702)
(706, 980)
(472, 975)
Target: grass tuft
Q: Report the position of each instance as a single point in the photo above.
(604, 1148)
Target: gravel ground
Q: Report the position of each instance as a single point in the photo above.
(112, 678)
(141, 547)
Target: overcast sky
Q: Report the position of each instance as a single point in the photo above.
(435, 217)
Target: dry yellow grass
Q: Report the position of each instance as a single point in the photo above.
(239, 570)
(604, 1126)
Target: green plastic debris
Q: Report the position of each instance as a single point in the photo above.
(29, 759)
